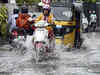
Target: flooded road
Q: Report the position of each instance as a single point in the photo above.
(84, 61)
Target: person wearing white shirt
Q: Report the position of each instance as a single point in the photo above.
(12, 20)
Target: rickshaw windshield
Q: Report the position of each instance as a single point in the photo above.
(62, 13)
(62, 10)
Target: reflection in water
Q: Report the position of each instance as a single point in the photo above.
(67, 63)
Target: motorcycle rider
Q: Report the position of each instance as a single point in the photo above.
(84, 23)
(23, 21)
(12, 19)
(93, 19)
(47, 16)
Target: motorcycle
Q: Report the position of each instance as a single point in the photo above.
(41, 40)
(93, 26)
(17, 37)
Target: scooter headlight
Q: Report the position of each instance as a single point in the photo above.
(58, 26)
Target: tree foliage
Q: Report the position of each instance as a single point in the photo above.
(27, 1)
(98, 0)
(91, 1)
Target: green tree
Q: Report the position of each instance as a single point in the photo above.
(97, 0)
(27, 1)
(20, 1)
(92, 1)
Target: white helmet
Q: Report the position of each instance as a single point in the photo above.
(46, 6)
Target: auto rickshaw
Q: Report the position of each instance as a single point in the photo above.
(65, 21)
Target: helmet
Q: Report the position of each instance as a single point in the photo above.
(16, 11)
(46, 7)
(24, 9)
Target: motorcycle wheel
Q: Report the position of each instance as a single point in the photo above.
(94, 27)
(39, 54)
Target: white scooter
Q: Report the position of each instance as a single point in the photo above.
(16, 40)
(41, 41)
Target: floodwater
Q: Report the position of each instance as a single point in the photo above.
(84, 61)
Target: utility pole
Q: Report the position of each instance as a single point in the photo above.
(66, 3)
(12, 1)
(12, 5)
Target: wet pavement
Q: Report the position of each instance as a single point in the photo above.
(84, 61)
